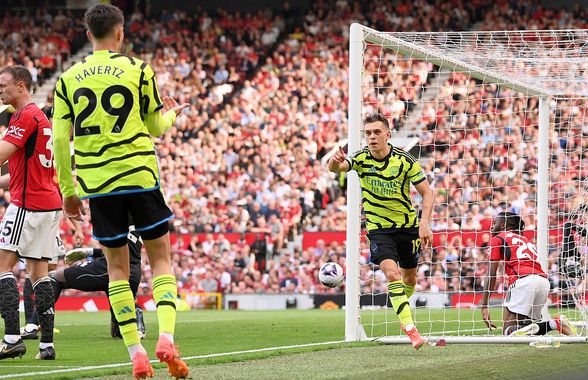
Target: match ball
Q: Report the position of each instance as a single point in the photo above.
(331, 275)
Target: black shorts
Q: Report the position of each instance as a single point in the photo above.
(92, 276)
(400, 245)
(111, 216)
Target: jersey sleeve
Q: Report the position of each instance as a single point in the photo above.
(355, 161)
(62, 122)
(150, 99)
(62, 108)
(495, 249)
(415, 173)
(20, 129)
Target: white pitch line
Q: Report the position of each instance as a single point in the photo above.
(115, 365)
(37, 366)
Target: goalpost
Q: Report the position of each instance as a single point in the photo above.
(502, 118)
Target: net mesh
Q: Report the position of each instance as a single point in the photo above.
(466, 105)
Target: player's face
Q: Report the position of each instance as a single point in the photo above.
(9, 89)
(376, 135)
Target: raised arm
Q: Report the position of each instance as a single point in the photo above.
(338, 162)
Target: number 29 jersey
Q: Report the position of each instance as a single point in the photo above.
(105, 97)
(518, 253)
(32, 175)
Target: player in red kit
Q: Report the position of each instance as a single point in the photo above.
(528, 284)
(29, 226)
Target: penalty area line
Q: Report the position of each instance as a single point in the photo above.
(115, 365)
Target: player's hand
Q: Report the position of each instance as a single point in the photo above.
(76, 254)
(78, 237)
(425, 234)
(73, 207)
(486, 318)
(170, 104)
(339, 155)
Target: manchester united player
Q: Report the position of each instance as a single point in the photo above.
(528, 284)
(29, 226)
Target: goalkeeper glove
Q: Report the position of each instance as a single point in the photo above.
(77, 254)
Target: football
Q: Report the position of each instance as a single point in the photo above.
(331, 275)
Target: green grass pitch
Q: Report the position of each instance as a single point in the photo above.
(84, 341)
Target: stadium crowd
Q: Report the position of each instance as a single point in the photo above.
(41, 41)
(268, 95)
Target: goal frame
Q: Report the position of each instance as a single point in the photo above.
(359, 34)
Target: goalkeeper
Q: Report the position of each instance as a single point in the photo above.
(89, 276)
(395, 233)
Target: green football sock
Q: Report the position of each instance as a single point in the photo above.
(165, 292)
(400, 302)
(123, 304)
(408, 290)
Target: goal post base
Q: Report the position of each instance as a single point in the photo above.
(486, 339)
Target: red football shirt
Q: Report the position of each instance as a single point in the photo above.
(32, 173)
(518, 253)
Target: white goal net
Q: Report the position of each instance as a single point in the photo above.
(499, 122)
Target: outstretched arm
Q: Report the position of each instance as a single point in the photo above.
(489, 286)
(339, 163)
(157, 123)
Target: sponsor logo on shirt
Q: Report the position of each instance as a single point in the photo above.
(15, 131)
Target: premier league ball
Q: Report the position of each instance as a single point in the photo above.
(331, 275)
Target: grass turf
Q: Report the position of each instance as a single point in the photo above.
(84, 341)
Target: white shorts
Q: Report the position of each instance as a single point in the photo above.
(527, 296)
(32, 235)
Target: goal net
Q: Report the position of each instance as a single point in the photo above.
(499, 122)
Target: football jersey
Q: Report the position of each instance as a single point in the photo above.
(105, 98)
(32, 173)
(385, 187)
(518, 253)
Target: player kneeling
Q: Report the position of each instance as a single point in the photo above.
(528, 284)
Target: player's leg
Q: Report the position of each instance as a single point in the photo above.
(40, 247)
(11, 345)
(384, 249)
(517, 324)
(560, 322)
(409, 279)
(110, 228)
(31, 329)
(135, 281)
(151, 216)
(44, 303)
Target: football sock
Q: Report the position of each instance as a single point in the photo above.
(44, 303)
(165, 292)
(9, 300)
(123, 305)
(546, 326)
(400, 302)
(408, 289)
(31, 315)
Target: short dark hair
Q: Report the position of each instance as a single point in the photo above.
(512, 221)
(102, 18)
(375, 117)
(19, 73)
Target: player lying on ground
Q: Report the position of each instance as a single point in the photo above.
(395, 232)
(528, 284)
(88, 276)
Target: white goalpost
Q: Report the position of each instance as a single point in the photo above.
(502, 123)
